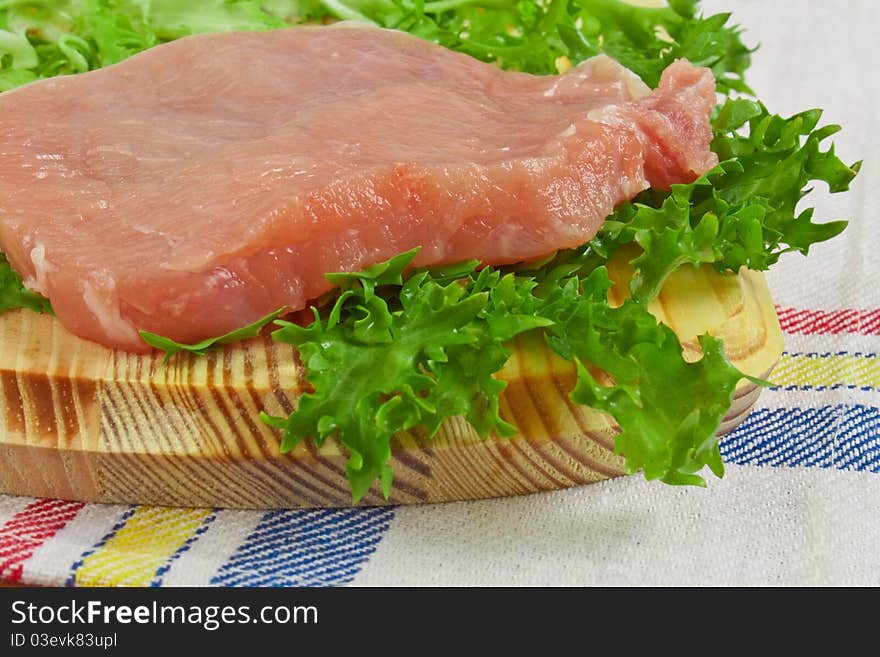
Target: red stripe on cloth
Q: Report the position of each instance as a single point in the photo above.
(810, 322)
(28, 529)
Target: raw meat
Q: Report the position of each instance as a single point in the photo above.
(205, 183)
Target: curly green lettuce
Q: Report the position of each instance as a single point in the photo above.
(54, 37)
(13, 293)
(170, 347)
(533, 36)
(742, 213)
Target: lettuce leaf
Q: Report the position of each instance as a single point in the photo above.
(13, 294)
(45, 38)
(54, 37)
(396, 352)
(170, 347)
(542, 37)
(742, 213)
(420, 352)
(668, 409)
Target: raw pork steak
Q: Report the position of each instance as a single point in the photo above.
(204, 183)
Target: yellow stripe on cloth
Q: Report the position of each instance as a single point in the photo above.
(133, 555)
(826, 371)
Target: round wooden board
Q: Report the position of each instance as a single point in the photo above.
(83, 422)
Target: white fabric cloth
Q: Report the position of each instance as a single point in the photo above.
(757, 526)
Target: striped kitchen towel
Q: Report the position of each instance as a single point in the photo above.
(799, 504)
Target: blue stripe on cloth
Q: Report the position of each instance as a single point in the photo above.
(71, 576)
(807, 388)
(164, 568)
(826, 354)
(306, 547)
(843, 436)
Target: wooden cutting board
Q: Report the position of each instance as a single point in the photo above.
(83, 422)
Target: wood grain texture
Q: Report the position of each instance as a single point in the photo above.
(83, 422)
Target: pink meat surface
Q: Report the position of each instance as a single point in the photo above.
(205, 183)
